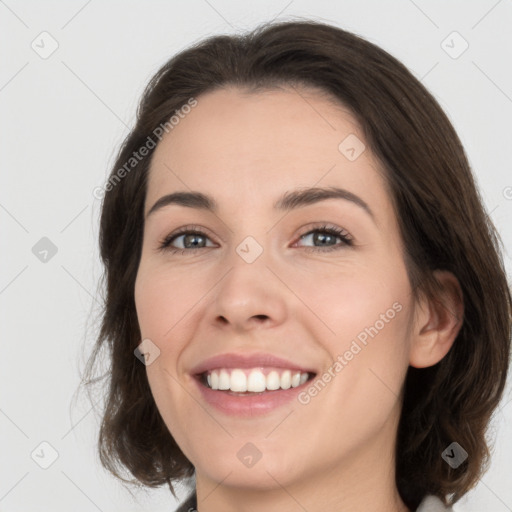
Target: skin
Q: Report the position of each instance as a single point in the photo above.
(337, 451)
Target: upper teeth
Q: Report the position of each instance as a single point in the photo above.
(254, 380)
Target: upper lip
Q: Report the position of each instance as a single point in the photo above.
(232, 360)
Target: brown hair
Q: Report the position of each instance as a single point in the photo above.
(442, 223)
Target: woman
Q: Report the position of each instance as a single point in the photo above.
(296, 252)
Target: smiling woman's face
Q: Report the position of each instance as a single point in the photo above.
(250, 285)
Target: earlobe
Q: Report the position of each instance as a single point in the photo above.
(438, 322)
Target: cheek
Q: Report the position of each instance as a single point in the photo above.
(162, 299)
(347, 300)
(361, 319)
(168, 309)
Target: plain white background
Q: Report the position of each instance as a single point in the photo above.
(62, 120)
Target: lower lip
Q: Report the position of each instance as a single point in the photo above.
(249, 405)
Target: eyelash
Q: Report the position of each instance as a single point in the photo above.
(165, 244)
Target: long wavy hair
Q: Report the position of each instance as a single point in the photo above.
(442, 222)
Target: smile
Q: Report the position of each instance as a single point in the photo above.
(253, 380)
(250, 384)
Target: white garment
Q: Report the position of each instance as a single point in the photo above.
(433, 504)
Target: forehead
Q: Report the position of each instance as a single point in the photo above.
(252, 146)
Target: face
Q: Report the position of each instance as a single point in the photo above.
(318, 283)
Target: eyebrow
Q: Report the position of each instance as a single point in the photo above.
(288, 201)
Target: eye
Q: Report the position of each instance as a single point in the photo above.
(192, 238)
(324, 235)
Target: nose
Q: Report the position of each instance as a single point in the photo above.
(248, 297)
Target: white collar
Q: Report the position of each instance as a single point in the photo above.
(433, 504)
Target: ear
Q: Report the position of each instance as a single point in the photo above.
(437, 322)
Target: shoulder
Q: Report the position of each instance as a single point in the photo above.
(433, 504)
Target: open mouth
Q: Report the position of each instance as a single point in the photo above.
(253, 381)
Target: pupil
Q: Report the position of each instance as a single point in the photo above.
(322, 237)
(193, 237)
